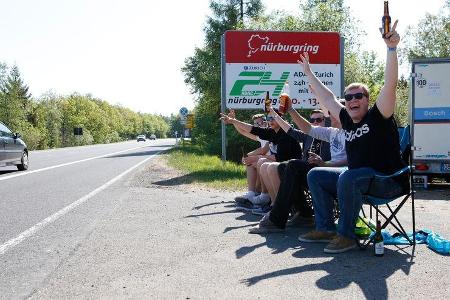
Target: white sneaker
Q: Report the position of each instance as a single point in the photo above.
(261, 199)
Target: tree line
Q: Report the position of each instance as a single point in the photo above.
(49, 120)
(430, 38)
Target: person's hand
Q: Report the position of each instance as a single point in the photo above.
(392, 37)
(315, 159)
(304, 62)
(226, 119)
(272, 112)
(232, 114)
(249, 160)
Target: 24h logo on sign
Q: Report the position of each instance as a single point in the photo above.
(262, 78)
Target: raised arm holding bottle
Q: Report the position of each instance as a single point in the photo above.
(372, 147)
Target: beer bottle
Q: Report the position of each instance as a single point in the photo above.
(284, 99)
(385, 20)
(378, 241)
(267, 103)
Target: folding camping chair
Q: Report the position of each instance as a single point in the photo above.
(374, 202)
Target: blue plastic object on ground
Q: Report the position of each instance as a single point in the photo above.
(438, 243)
(425, 236)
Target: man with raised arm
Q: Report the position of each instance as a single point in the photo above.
(287, 147)
(297, 168)
(252, 157)
(293, 179)
(372, 146)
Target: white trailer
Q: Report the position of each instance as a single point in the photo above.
(430, 118)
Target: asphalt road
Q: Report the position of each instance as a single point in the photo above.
(150, 235)
(55, 203)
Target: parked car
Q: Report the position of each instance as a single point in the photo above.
(153, 137)
(141, 137)
(13, 151)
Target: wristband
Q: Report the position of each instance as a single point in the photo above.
(392, 48)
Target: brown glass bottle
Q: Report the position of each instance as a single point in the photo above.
(378, 241)
(385, 20)
(267, 103)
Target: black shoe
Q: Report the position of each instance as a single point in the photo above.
(300, 221)
(266, 226)
(245, 205)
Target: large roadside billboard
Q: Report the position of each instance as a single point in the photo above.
(256, 62)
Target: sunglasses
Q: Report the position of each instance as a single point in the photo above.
(270, 118)
(349, 97)
(313, 120)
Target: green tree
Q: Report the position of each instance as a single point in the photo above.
(202, 70)
(52, 119)
(15, 101)
(3, 107)
(175, 125)
(48, 122)
(401, 105)
(430, 38)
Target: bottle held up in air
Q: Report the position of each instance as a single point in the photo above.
(267, 103)
(385, 20)
(378, 241)
(284, 99)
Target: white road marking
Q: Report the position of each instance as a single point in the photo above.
(65, 164)
(29, 232)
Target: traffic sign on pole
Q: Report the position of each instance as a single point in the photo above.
(184, 111)
(190, 121)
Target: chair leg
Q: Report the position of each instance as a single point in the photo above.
(413, 217)
(402, 230)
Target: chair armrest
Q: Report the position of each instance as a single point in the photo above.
(398, 173)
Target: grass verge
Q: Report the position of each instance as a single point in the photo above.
(205, 169)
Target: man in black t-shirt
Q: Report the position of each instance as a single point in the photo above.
(287, 146)
(372, 146)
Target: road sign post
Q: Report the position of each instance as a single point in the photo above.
(223, 98)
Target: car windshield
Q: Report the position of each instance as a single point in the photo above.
(4, 128)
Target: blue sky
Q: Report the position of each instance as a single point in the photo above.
(131, 51)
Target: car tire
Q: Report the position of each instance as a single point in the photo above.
(23, 162)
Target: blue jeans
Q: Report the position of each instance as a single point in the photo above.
(349, 186)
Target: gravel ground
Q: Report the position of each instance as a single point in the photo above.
(168, 239)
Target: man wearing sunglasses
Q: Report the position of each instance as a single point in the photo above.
(251, 158)
(291, 176)
(372, 146)
(286, 146)
(271, 172)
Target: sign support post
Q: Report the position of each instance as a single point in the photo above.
(223, 97)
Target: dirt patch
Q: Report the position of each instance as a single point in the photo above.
(158, 174)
